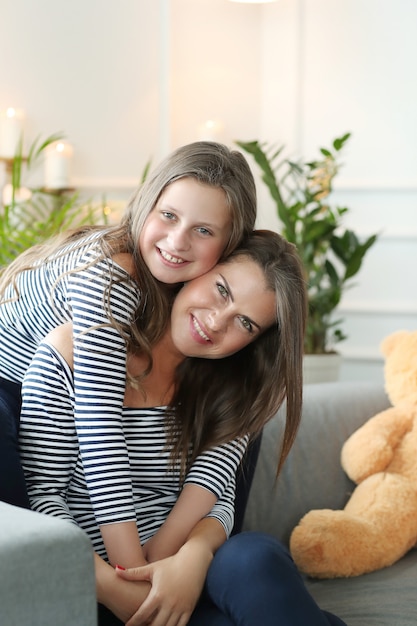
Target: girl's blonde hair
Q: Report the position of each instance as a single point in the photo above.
(208, 162)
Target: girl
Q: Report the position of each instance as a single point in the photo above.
(249, 312)
(116, 285)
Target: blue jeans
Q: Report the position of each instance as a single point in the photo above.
(12, 480)
(253, 580)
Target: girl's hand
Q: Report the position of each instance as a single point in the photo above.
(122, 597)
(176, 585)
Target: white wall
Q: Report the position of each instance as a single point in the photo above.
(215, 53)
(331, 67)
(89, 68)
(129, 80)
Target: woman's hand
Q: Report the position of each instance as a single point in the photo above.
(176, 585)
(177, 581)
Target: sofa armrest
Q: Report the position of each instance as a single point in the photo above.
(312, 477)
(46, 571)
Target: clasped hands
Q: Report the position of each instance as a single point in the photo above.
(162, 593)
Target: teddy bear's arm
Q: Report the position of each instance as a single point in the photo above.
(370, 449)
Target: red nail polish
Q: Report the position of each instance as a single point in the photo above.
(120, 567)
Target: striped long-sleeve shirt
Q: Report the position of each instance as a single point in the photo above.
(54, 468)
(72, 286)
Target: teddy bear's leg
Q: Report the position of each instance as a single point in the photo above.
(377, 527)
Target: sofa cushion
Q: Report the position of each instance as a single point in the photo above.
(312, 477)
(384, 598)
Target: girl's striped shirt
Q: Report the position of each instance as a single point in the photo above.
(72, 285)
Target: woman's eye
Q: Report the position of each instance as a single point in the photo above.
(246, 324)
(222, 290)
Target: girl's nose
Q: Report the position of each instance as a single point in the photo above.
(179, 240)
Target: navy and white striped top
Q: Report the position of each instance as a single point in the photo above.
(53, 293)
(54, 468)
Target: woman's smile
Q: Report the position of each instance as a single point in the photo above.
(200, 332)
(224, 310)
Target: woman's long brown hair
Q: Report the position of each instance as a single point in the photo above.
(219, 400)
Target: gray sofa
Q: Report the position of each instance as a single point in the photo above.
(46, 565)
(46, 571)
(312, 478)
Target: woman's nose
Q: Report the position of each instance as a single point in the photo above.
(216, 320)
(179, 240)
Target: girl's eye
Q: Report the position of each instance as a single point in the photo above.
(246, 324)
(203, 231)
(168, 215)
(222, 290)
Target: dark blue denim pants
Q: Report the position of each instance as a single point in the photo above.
(253, 581)
(12, 481)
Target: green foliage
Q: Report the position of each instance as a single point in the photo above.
(331, 254)
(24, 223)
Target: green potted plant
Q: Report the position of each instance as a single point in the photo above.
(332, 254)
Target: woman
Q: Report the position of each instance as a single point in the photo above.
(240, 326)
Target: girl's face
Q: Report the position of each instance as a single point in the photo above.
(223, 311)
(186, 232)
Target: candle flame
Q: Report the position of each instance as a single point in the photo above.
(11, 112)
(60, 147)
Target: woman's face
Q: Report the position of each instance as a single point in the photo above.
(224, 310)
(187, 231)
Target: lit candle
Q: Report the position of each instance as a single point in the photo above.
(58, 165)
(20, 195)
(11, 131)
(211, 130)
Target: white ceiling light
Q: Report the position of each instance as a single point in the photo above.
(253, 1)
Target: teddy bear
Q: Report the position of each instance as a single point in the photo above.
(379, 522)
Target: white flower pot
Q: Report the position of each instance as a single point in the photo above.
(321, 368)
